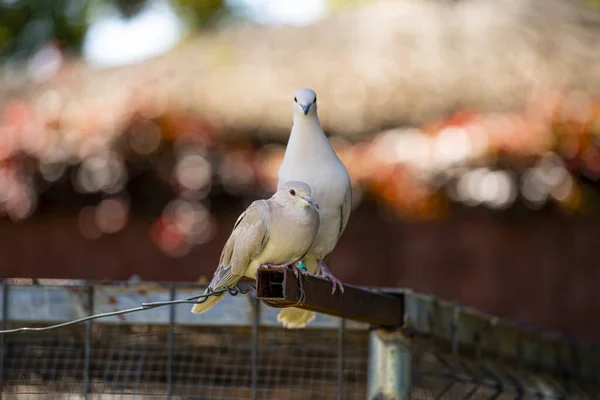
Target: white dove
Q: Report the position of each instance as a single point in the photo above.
(310, 158)
(274, 232)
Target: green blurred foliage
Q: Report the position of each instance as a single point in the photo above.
(594, 2)
(128, 8)
(335, 5)
(200, 13)
(25, 25)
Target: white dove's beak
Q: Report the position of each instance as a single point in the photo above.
(310, 201)
(305, 108)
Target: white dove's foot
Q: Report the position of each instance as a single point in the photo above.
(327, 274)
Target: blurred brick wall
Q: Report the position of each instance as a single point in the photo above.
(542, 270)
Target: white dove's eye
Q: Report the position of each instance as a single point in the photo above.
(292, 192)
(295, 99)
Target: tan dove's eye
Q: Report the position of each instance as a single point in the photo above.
(292, 192)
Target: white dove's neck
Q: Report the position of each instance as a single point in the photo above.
(309, 121)
(308, 133)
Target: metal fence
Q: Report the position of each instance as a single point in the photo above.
(237, 351)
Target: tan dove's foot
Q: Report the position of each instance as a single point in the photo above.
(271, 265)
(327, 274)
(297, 270)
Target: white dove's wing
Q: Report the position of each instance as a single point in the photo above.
(345, 210)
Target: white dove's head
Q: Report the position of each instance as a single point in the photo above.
(296, 193)
(305, 102)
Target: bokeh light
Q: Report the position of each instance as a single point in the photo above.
(111, 215)
(421, 139)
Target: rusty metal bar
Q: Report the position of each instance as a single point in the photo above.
(279, 287)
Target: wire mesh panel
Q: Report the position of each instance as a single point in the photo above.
(438, 373)
(121, 357)
(37, 364)
(304, 364)
(212, 363)
(237, 351)
(205, 363)
(128, 359)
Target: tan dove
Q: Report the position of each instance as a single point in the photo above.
(310, 158)
(274, 232)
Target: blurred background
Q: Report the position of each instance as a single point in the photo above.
(134, 132)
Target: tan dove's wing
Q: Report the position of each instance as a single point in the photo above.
(248, 238)
(227, 251)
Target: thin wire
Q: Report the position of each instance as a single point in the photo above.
(145, 306)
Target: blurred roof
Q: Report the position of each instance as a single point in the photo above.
(385, 73)
(381, 64)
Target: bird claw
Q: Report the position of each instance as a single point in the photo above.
(325, 273)
(297, 272)
(298, 269)
(337, 284)
(269, 266)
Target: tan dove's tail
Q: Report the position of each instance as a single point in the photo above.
(222, 278)
(210, 301)
(294, 318)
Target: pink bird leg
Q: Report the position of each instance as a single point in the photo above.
(327, 274)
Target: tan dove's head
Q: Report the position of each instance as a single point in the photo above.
(295, 193)
(305, 102)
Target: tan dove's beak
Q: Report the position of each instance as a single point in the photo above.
(310, 201)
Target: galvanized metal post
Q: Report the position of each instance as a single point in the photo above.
(389, 365)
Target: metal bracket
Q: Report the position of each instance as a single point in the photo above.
(280, 287)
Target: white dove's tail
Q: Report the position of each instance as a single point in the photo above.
(210, 301)
(294, 318)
